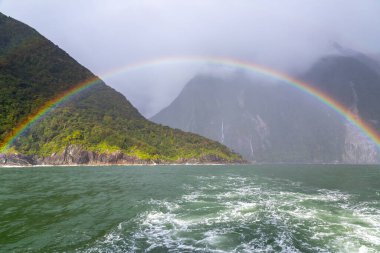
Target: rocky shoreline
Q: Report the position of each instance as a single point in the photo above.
(75, 155)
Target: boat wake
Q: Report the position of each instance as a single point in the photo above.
(231, 213)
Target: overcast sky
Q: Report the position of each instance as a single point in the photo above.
(285, 34)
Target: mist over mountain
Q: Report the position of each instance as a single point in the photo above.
(277, 123)
(371, 61)
(353, 80)
(286, 35)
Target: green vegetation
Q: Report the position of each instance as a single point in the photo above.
(98, 121)
(34, 71)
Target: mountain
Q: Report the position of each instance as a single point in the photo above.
(268, 122)
(98, 125)
(353, 79)
(263, 122)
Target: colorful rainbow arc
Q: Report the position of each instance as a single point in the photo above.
(365, 128)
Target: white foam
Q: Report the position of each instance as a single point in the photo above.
(236, 203)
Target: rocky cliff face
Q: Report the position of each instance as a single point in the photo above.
(16, 160)
(357, 148)
(76, 155)
(353, 79)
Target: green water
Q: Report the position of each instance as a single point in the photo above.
(190, 209)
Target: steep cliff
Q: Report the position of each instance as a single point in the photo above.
(353, 79)
(265, 122)
(272, 122)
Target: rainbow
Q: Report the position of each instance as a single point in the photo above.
(362, 126)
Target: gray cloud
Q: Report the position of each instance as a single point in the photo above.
(286, 35)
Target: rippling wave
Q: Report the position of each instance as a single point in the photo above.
(234, 213)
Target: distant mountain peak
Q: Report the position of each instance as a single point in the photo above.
(345, 51)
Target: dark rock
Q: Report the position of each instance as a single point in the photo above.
(16, 160)
(76, 155)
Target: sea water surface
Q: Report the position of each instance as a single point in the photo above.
(252, 208)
